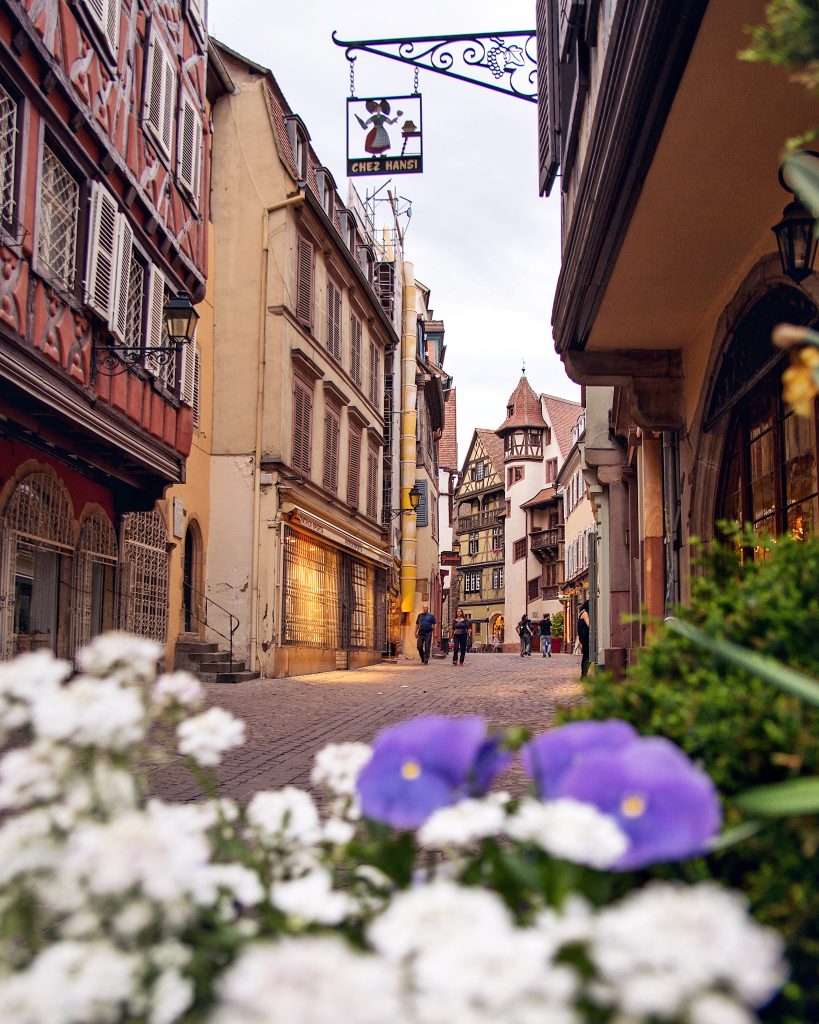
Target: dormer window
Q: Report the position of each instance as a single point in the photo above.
(510, 411)
(299, 138)
(326, 190)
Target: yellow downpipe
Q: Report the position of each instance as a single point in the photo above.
(409, 417)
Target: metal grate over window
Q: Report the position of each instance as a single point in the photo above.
(40, 511)
(8, 147)
(59, 209)
(136, 298)
(145, 575)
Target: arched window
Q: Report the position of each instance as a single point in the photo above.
(768, 475)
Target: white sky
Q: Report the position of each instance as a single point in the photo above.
(480, 237)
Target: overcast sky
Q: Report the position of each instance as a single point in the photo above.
(480, 237)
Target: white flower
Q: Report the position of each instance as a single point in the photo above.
(171, 996)
(24, 680)
(438, 914)
(70, 982)
(338, 765)
(716, 1008)
(27, 845)
(170, 955)
(570, 830)
(134, 918)
(121, 656)
(207, 736)
(337, 831)
(309, 980)
(237, 881)
(114, 789)
(311, 899)
(665, 944)
(159, 850)
(285, 816)
(33, 774)
(178, 688)
(462, 824)
(573, 923)
(91, 713)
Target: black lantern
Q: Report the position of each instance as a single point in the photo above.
(414, 497)
(796, 241)
(180, 319)
(414, 500)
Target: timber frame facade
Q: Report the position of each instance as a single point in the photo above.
(103, 214)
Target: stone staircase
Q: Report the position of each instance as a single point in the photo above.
(208, 661)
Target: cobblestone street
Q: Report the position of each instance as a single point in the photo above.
(288, 720)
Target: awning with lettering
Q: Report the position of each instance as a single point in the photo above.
(328, 531)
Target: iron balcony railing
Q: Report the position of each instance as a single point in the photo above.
(550, 538)
(199, 606)
(479, 521)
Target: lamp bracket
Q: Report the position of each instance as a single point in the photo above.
(485, 59)
(111, 360)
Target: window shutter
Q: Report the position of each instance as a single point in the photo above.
(102, 245)
(548, 95)
(187, 376)
(375, 365)
(422, 512)
(355, 349)
(160, 94)
(196, 14)
(197, 356)
(188, 148)
(331, 437)
(372, 483)
(333, 321)
(125, 253)
(302, 418)
(105, 14)
(156, 319)
(354, 468)
(304, 282)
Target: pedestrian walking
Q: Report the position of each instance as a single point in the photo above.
(545, 630)
(461, 632)
(423, 633)
(583, 624)
(525, 632)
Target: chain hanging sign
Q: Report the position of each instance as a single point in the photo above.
(384, 136)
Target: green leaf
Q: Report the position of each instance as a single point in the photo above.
(801, 173)
(796, 796)
(768, 669)
(737, 834)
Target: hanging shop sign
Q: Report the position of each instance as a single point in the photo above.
(450, 558)
(384, 136)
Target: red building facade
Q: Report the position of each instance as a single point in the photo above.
(103, 217)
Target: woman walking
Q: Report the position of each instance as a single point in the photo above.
(583, 624)
(460, 635)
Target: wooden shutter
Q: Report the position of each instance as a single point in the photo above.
(355, 349)
(302, 419)
(190, 356)
(197, 354)
(196, 16)
(332, 429)
(372, 483)
(548, 110)
(333, 320)
(125, 254)
(188, 148)
(101, 268)
(304, 282)
(105, 14)
(354, 468)
(375, 366)
(156, 318)
(422, 512)
(160, 94)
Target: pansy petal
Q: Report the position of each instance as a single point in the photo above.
(550, 755)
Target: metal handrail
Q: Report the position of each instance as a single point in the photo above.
(233, 621)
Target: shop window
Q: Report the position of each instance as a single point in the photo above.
(58, 216)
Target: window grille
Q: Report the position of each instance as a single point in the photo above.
(144, 585)
(96, 546)
(355, 350)
(136, 301)
(40, 511)
(59, 210)
(8, 149)
(311, 616)
(533, 588)
(334, 321)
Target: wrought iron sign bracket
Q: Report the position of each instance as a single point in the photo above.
(504, 62)
(111, 360)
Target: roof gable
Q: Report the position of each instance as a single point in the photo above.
(563, 415)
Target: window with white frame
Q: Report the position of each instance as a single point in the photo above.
(105, 15)
(8, 153)
(497, 538)
(497, 578)
(472, 581)
(159, 103)
(473, 544)
(57, 225)
(189, 148)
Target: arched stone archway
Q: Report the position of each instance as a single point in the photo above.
(193, 579)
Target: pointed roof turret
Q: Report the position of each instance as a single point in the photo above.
(523, 408)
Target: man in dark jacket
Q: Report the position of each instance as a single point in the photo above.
(423, 632)
(545, 630)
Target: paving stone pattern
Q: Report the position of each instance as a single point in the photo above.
(288, 720)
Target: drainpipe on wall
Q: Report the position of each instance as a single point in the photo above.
(409, 423)
(671, 517)
(255, 597)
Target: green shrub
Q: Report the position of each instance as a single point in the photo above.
(557, 624)
(743, 731)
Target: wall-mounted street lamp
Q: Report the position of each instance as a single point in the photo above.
(179, 317)
(414, 500)
(795, 236)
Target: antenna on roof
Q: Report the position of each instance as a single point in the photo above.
(524, 367)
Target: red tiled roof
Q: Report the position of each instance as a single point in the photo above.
(563, 415)
(494, 448)
(448, 445)
(548, 493)
(526, 410)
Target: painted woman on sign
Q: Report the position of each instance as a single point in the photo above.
(378, 141)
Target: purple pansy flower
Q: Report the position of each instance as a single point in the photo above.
(426, 763)
(667, 806)
(550, 755)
